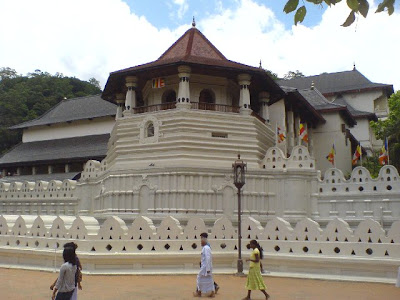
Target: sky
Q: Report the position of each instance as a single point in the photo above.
(91, 38)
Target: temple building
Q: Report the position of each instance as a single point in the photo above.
(58, 144)
(367, 101)
(161, 140)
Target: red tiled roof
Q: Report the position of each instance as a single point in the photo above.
(192, 43)
(192, 47)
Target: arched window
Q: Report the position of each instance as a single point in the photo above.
(150, 129)
(168, 96)
(207, 96)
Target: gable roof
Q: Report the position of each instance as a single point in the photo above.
(73, 109)
(192, 43)
(192, 49)
(318, 101)
(80, 148)
(331, 83)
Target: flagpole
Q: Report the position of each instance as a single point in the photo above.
(276, 134)
(359, 143)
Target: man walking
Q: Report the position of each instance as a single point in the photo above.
(205, 281)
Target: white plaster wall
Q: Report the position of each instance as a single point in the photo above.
(327, 134)
(367, 253)
(363, 100)
(363, 133)
(68, 130)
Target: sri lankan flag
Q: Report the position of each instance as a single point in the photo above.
(331, 155)
(281, 135)
(303, 133)
(357, 155)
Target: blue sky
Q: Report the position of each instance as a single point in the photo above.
(92, 38)
(163, 14)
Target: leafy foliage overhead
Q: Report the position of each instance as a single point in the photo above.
(356, 7)
(23, 98)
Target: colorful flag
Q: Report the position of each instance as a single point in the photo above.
(158, 83)
(357, 155)
(281, 135)
(303, 133)
(384, 155)
(331, 155)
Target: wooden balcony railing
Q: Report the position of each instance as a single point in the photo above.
(154, 108)
(195, 105)
(215, 107)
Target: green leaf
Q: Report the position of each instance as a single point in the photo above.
(381, 7)
(363, 8)
(290, 6)
(390, 7)
(350, 19)
(300, 14)
(328, 2)
(353, 4)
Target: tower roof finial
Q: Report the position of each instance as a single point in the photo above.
(354, 66)
(260, 65)
(193, 22)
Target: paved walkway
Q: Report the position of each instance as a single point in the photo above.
(24, 285)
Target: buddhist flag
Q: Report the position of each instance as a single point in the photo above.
(280, 134)
(357, 155)
(331, 155)
(303, 133)
(384, 155)
(158, 83)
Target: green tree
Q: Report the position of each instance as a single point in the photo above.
(389, 128)
(271, 74)
(93, 81)
(360, 7)
(23, 98)
(293, 74)
(372, 164)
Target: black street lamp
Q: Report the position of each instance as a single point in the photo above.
(239, 179)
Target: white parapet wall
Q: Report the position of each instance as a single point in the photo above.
(360, 196)
(367, 253)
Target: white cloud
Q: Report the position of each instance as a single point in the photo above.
(183, 7)
(94, 37)
(252, 32)
(78, 38)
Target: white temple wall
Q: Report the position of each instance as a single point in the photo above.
(307, 250)
(363, 133)
(324, 136)
(68, 130)
(198, 138)
(364, 101)
(360, 196)
(277, 117)
(287, 187)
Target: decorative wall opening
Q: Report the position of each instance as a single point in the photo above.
(207, 96)
(149, 129)
(168, 96)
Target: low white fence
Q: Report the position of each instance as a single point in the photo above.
(368, 252)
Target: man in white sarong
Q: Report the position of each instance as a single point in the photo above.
(205, 281)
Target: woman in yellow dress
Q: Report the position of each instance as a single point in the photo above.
(254, 278)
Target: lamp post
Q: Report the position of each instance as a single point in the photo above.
(239, 171)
